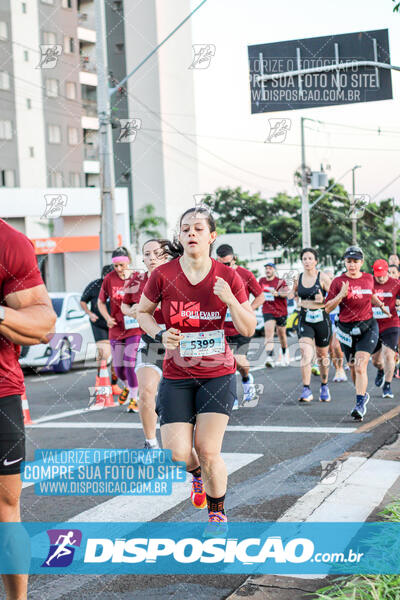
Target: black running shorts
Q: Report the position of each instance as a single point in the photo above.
(280, 321)
(390, 338)
(12, 435)
(239, 344)
(364, 342)
(180, 400)
(320, 332)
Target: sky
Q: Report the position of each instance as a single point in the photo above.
(231, 141)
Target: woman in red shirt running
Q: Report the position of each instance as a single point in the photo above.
(150, 355)
(198, 388)
(357, 330)
(124, 337)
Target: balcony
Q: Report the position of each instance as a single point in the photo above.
(89, 122)
(89, 107)
(91, 166)
(91, 152)
(87, 20)
(86, 35)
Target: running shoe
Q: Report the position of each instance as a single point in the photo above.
(248, 389)
(123, 397)
(340, 375)
(217, 525)
(324, 394)
(116, 390)
(315, 370)
(133, 406)
(387, 391)
(306, 395)
(235, 404)
(360, 408)
(148, 446)
(380, 375)
(198, 493)
(270, 363)
(285, 359)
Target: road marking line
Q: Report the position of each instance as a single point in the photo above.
(230, 428)
(379, 420)
(141, 509)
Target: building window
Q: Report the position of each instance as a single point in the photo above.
(119, 48)
(73, 136)
(75, 180)
(56, 179)
(6, 132)
(117, 5)
(3, 30)
(70, 90)
(26, 56)
(54, 134)
(66, 3)
(47, 1)
(52, 88)
(31, 151)
(4, 80)
(23, 6)
(28, 103)
(49, 37)
(69, 44)
(7, 178)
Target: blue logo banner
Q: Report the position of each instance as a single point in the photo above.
(200, 548)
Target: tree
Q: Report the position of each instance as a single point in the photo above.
(146, 223)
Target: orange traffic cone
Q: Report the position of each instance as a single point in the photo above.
(25, 410)
(104, 396)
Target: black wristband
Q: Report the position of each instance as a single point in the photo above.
(158, 336)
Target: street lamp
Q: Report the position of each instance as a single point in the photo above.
(353, 212)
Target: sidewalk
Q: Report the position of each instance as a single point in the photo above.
(361, 489)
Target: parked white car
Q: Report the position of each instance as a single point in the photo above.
(72, 342)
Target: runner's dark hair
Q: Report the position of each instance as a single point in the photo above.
(121, 251)
(309, 250)
(175, 248)
(106, 270)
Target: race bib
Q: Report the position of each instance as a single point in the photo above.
(203, 343)
(314, 316)
(130, 322)
(228, 316)
(378, 312)
(343, 337)
(269, 297)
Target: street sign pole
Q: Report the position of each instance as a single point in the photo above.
(305, 209)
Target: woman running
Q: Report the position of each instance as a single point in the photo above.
(124, 339)
(357, 330)
(198, 387)
(314, 324)
(150, 355)
(98, 323)
(335, 351)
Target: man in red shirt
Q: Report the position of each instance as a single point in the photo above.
(238, 343)
(26, 317)
(387, 290)
(274, 309)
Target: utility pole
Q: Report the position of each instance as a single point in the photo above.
(107, 176)
(394, 227)
(305, 209)
(353, 208)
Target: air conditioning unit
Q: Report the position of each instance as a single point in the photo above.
(319, 180)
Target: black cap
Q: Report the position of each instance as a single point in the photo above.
(354, 252)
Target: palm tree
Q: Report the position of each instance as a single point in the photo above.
(146, 223)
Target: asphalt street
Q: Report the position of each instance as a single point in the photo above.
(273, 452)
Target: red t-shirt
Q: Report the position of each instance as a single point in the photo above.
(133, 289)
(18, 271)
(274, 305)
(251, 286)
(357, 305)
(113, 288)
(194, 308)
(387, 293)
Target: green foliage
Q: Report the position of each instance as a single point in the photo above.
(396, 7)
(279, 220)
(147, 223)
